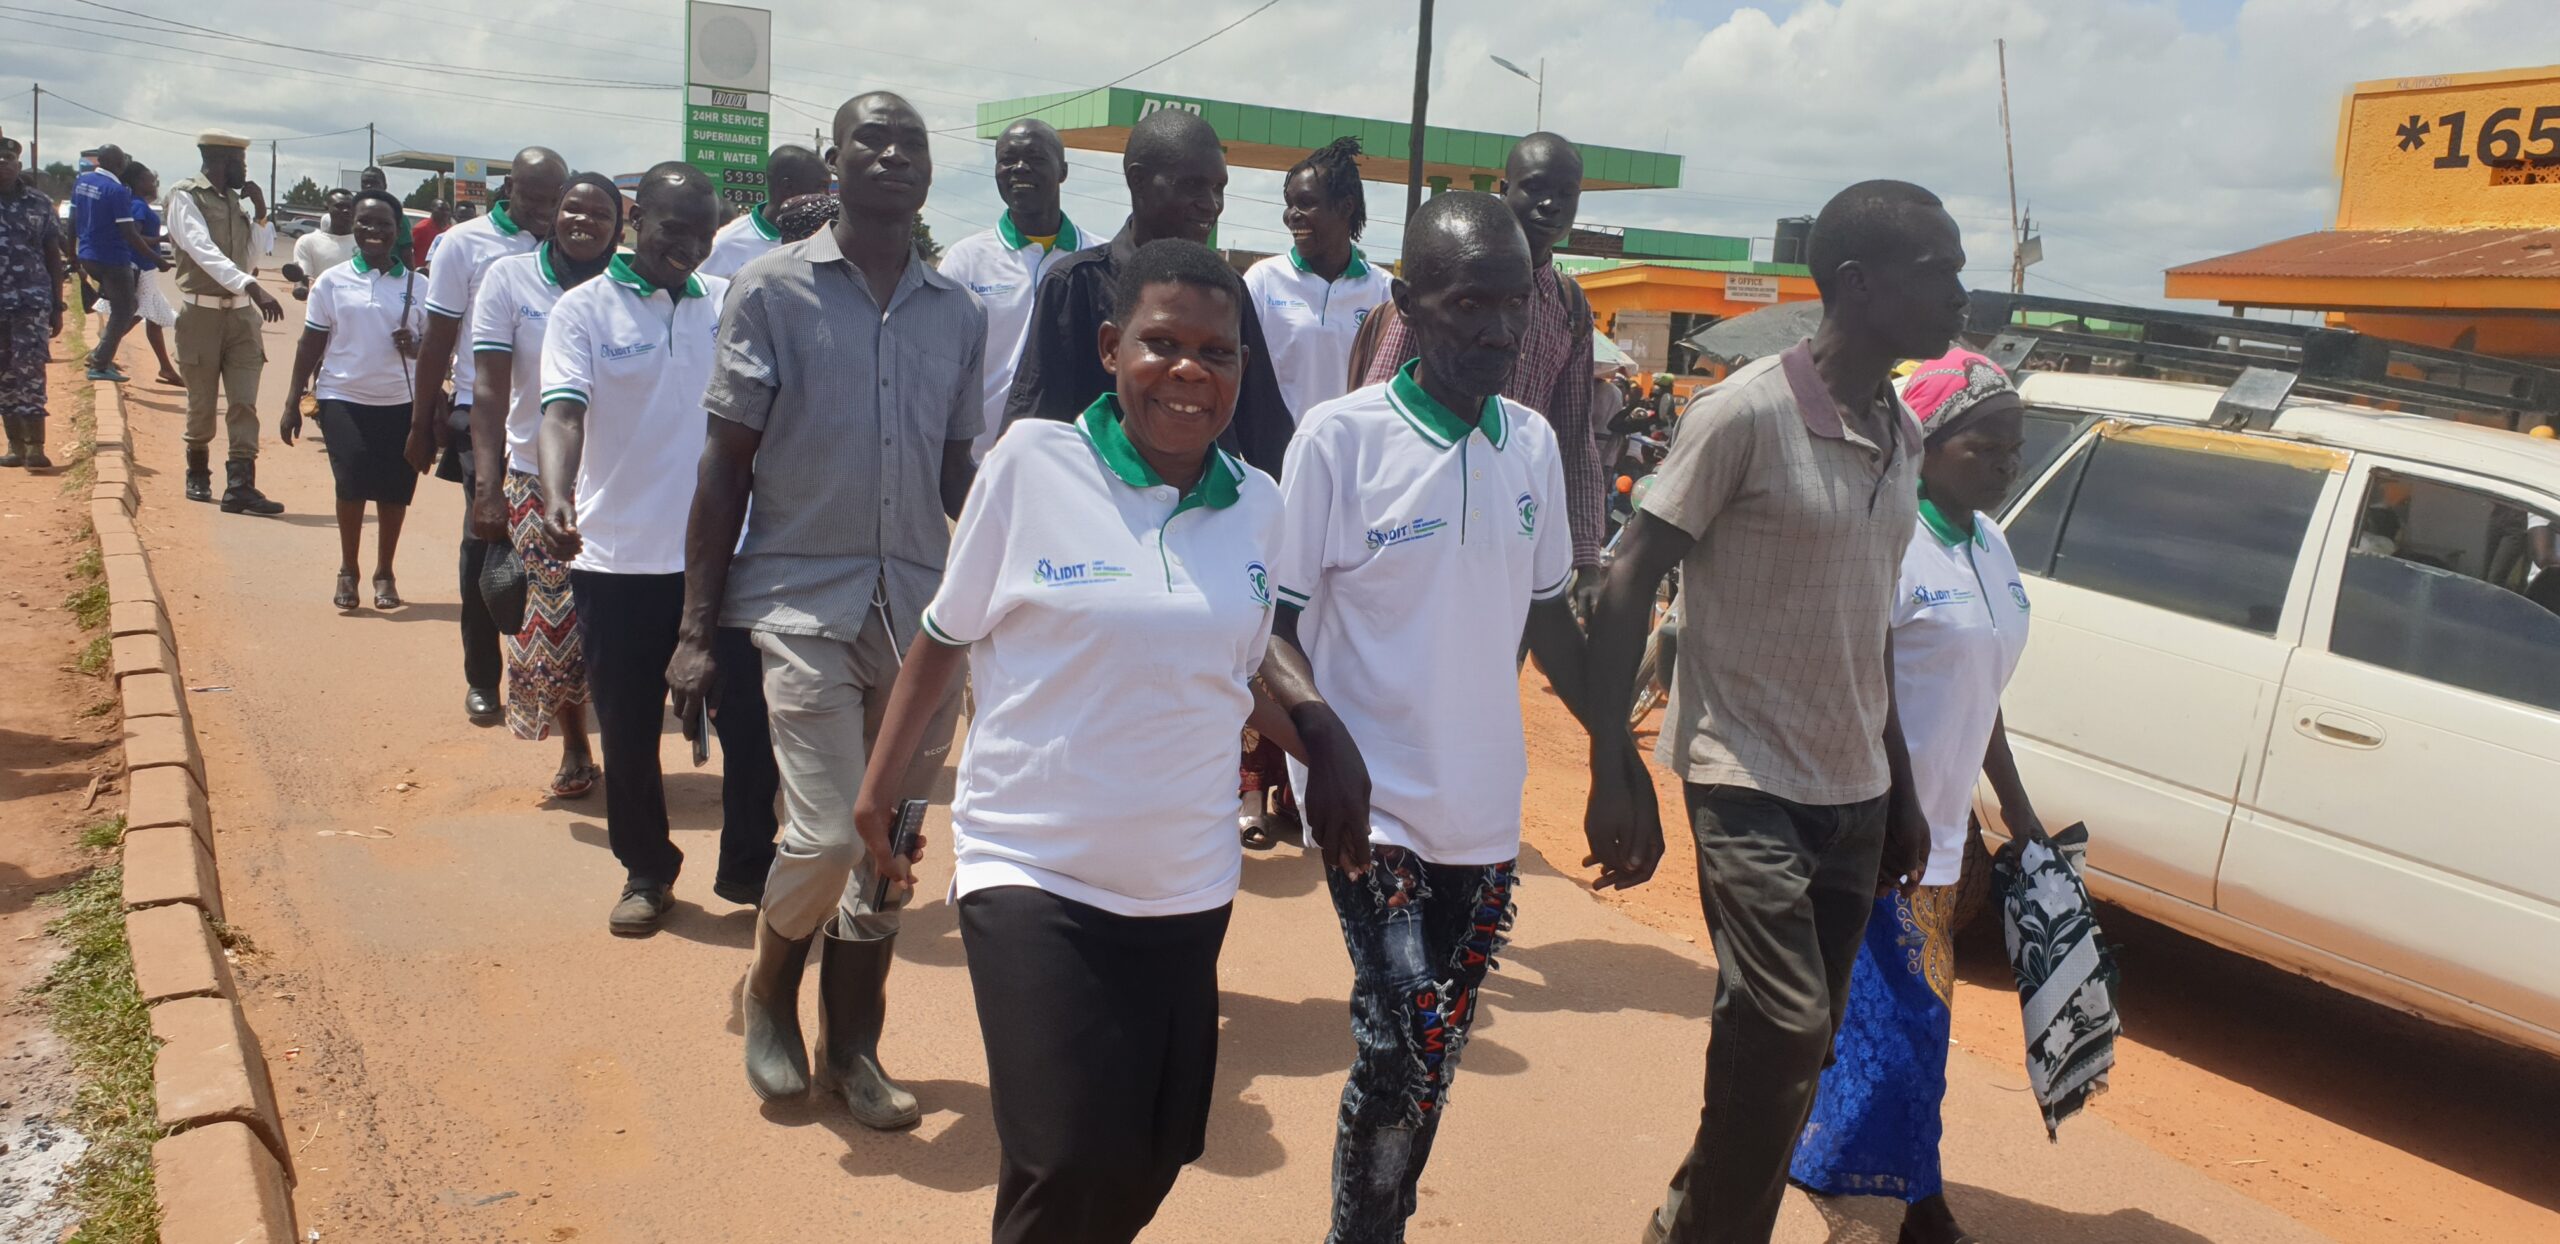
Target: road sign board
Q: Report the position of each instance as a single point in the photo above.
(728, 107)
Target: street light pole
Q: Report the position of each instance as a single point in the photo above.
(1421, 110)
(1540, 78)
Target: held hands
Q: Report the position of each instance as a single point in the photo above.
(1335, 806)
(1622, 823)
(874, 815)
(693, 676)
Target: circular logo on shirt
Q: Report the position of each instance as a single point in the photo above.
(1528, 515)
(2018, 593)
(1360, 317)
(1260, 580)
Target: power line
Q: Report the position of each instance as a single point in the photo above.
(172, 26)
(1257, 12)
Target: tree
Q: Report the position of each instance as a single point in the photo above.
(434, 190)
(925, 244)
(56, 179)
(306, 193)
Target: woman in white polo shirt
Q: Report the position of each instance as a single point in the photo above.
(1312, 302)
(1108, 592)
(1959, 627)
(357, 357)
(546, 661)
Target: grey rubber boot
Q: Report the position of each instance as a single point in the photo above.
(777, 1055)
(853, 1004)
(32, 431)
(17, 455)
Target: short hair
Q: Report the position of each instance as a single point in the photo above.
(668, 177)
(1175, 261)
(1042, 130)
(133, 173)
(399, 215)
(1337, 169)
(336, 192)
(845, 111)
(1448, 223)
(1867, 222)
(1529, 144)
(1165, 135)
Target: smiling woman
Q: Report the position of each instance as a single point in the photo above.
(358, 357)
(1107, 591)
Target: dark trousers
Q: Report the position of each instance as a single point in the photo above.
(483, 666)
(1787, 888)
(117, 285)
(1422, 936)
(749, 779)
(1102, 1056)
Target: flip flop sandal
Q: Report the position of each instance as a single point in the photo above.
(576, 783)
(345, 600)
(386, 594)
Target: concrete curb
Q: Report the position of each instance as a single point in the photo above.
(224, 1173)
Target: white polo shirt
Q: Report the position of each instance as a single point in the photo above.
(1415, 542)
(1310, 321)
(1112, 625)
(320, 250)
(640, 360)
(508, 316)
(1959, 627)
(456, 261)
(739, 243)
(360, 307)
(1003, 268)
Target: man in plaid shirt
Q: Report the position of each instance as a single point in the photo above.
(1542, 185)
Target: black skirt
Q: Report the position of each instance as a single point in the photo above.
(365, 451)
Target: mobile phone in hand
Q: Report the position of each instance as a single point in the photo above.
(902, 843)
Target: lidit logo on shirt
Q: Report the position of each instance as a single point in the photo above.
(1528, 514)
(1076, 574)
(1260, 580)
(1405, 533)
(1931, 598)
(630, 351)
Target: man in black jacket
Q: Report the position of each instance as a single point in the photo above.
(1177, 187)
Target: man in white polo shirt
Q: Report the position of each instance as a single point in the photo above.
(791, 171)
(1423, 538)
(517, 222)
(1003, 265)
(624, 365)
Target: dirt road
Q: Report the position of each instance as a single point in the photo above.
(464, 1053)
(2365, 1123)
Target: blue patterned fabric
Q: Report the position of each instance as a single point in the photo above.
(1875, 1124)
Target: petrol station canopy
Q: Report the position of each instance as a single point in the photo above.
(1277, 138)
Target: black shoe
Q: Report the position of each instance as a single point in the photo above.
(17, 455)
(777, 1055)
(640, 910)
(35, 460)
(743, 893)
(199, 475)
(853, 1005)
(482, 707)
(240, 493)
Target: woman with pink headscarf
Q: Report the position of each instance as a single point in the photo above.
(1959, 627)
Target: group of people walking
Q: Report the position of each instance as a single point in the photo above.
(798, 484)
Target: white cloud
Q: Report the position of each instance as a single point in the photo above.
(2148, 132)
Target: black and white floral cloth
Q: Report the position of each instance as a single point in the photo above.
(2066, 979)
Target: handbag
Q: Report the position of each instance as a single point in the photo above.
(502, 587)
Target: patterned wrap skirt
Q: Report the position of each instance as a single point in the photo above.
(546, 661)
(1875, 1124)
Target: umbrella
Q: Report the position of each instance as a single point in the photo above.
(1606, 357)
(1758, 334)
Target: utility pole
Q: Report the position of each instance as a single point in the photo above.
(2017, 235)
(1421, 113)
(35, 133)
(273, 201)
(368, 144)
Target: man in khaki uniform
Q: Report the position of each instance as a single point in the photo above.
(218, 240)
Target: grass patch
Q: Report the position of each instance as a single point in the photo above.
(88, 606)
(106, 833)
(101, 1017)
(84, 423)
(102, 708)
(91, 565)
(93, 659)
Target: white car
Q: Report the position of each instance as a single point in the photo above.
(2303, 685)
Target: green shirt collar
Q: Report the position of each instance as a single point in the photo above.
(1219, 485)
(394, 270)
(1015, 239)
(764, 225)
(1437, 423)
(1946, 531)
(1358, 267)
(501, 221)
(620, 272)
(550, 275)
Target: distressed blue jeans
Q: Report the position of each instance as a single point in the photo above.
(1421, 936)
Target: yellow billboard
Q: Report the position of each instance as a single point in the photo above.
(2452, 151)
